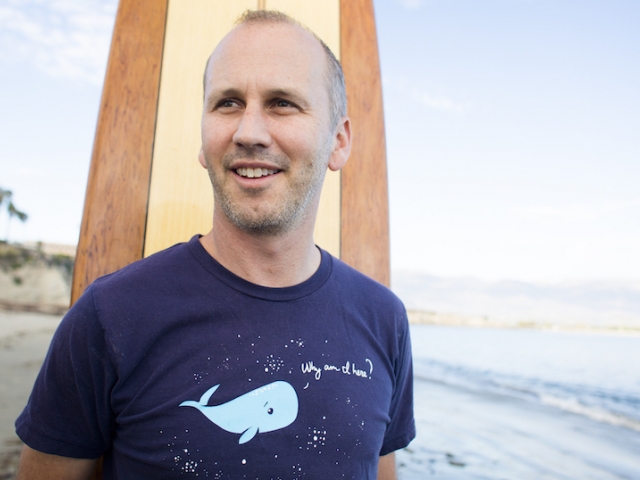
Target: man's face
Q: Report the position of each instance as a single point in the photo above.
(266, 133)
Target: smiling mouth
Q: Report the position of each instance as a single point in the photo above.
(255, 172)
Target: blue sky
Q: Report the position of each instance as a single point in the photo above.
(512, 130)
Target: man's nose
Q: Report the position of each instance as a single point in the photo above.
(253, 129)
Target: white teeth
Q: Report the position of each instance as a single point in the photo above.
(254, 172)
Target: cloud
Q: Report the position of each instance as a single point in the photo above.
(575, 212)
(411, 87)
(63, 38)
(31, 172)
(411, 4)
(438, 102)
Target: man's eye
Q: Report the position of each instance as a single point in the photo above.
(227, 103)
(282, 104)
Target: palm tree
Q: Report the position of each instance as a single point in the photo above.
(4, 194)
(12, 211)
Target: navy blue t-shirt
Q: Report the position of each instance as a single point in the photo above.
(174, 366)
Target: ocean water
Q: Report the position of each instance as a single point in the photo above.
(515, 403)
(593, 375)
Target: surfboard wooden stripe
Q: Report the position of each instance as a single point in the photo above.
(364, 242)
(115, 210)
(115, 221)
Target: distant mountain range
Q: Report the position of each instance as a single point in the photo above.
(593, 304)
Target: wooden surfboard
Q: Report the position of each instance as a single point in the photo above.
(146, 190)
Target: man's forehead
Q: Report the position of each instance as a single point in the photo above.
(255, 34)
(269, 46)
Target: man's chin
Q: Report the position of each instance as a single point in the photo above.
(263, 229)
(261, 224)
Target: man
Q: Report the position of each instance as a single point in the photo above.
(247, 352)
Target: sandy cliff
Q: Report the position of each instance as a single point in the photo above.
(34, 278)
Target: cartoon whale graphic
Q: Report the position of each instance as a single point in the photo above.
(264, 409)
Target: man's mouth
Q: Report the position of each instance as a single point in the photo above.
(255, 172)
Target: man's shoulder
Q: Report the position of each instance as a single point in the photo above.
(144, 287)
(356, 283)
(156, 268)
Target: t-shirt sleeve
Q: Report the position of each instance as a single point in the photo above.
(401, 429)
(68, 412)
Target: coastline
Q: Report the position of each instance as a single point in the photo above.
(426, 317)
(36, 277)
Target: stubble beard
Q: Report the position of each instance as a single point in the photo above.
(291, 210)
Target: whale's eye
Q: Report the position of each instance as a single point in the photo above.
(270, 411)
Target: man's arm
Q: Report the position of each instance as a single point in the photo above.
(35, 465)
(387, 467)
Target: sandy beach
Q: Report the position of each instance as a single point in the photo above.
(24, 339)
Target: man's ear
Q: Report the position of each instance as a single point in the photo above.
(201, 159)
(341, 145)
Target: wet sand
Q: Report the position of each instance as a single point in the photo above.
(464, 434)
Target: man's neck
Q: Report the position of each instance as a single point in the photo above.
(271, 261)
